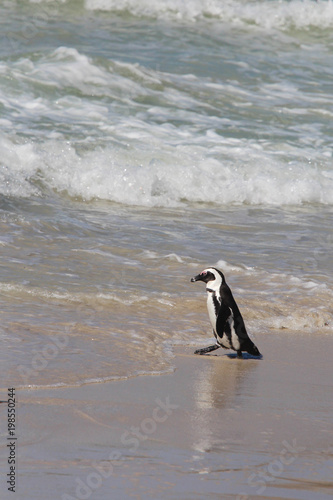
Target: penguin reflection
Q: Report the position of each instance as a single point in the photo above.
(221, 390)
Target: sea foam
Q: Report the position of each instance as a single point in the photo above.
(161, 175)
(124, 133)
(273, 14)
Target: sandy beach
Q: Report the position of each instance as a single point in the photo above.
(217, 427)
(142, 142)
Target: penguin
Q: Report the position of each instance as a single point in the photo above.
(227, 322)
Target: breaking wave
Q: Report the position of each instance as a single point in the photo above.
(162, 175)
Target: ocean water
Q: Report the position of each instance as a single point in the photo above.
(142, 141)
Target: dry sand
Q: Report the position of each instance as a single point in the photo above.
(217, 427)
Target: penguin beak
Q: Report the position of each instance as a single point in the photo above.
(196, 278)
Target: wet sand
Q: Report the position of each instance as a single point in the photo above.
(217, 427)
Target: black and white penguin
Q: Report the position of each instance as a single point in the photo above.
(225, 317)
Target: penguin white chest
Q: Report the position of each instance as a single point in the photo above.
(212, 309)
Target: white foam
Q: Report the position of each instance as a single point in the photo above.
(162, 175)
(149, 160)
(227, 267)
(149, 254)
(273, 14)
(18, 163)
(93, 300)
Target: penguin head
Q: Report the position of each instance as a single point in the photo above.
(207, 275)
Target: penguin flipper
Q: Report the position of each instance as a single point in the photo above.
(221, 320)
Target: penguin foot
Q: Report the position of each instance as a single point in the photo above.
(205, 350)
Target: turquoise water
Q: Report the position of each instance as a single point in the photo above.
(141, 142)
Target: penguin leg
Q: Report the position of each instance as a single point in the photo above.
(207, 349)
(239, 355)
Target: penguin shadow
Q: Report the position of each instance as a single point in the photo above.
(246, 355)
(233, 355)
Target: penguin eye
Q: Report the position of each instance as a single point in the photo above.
(203, 273)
